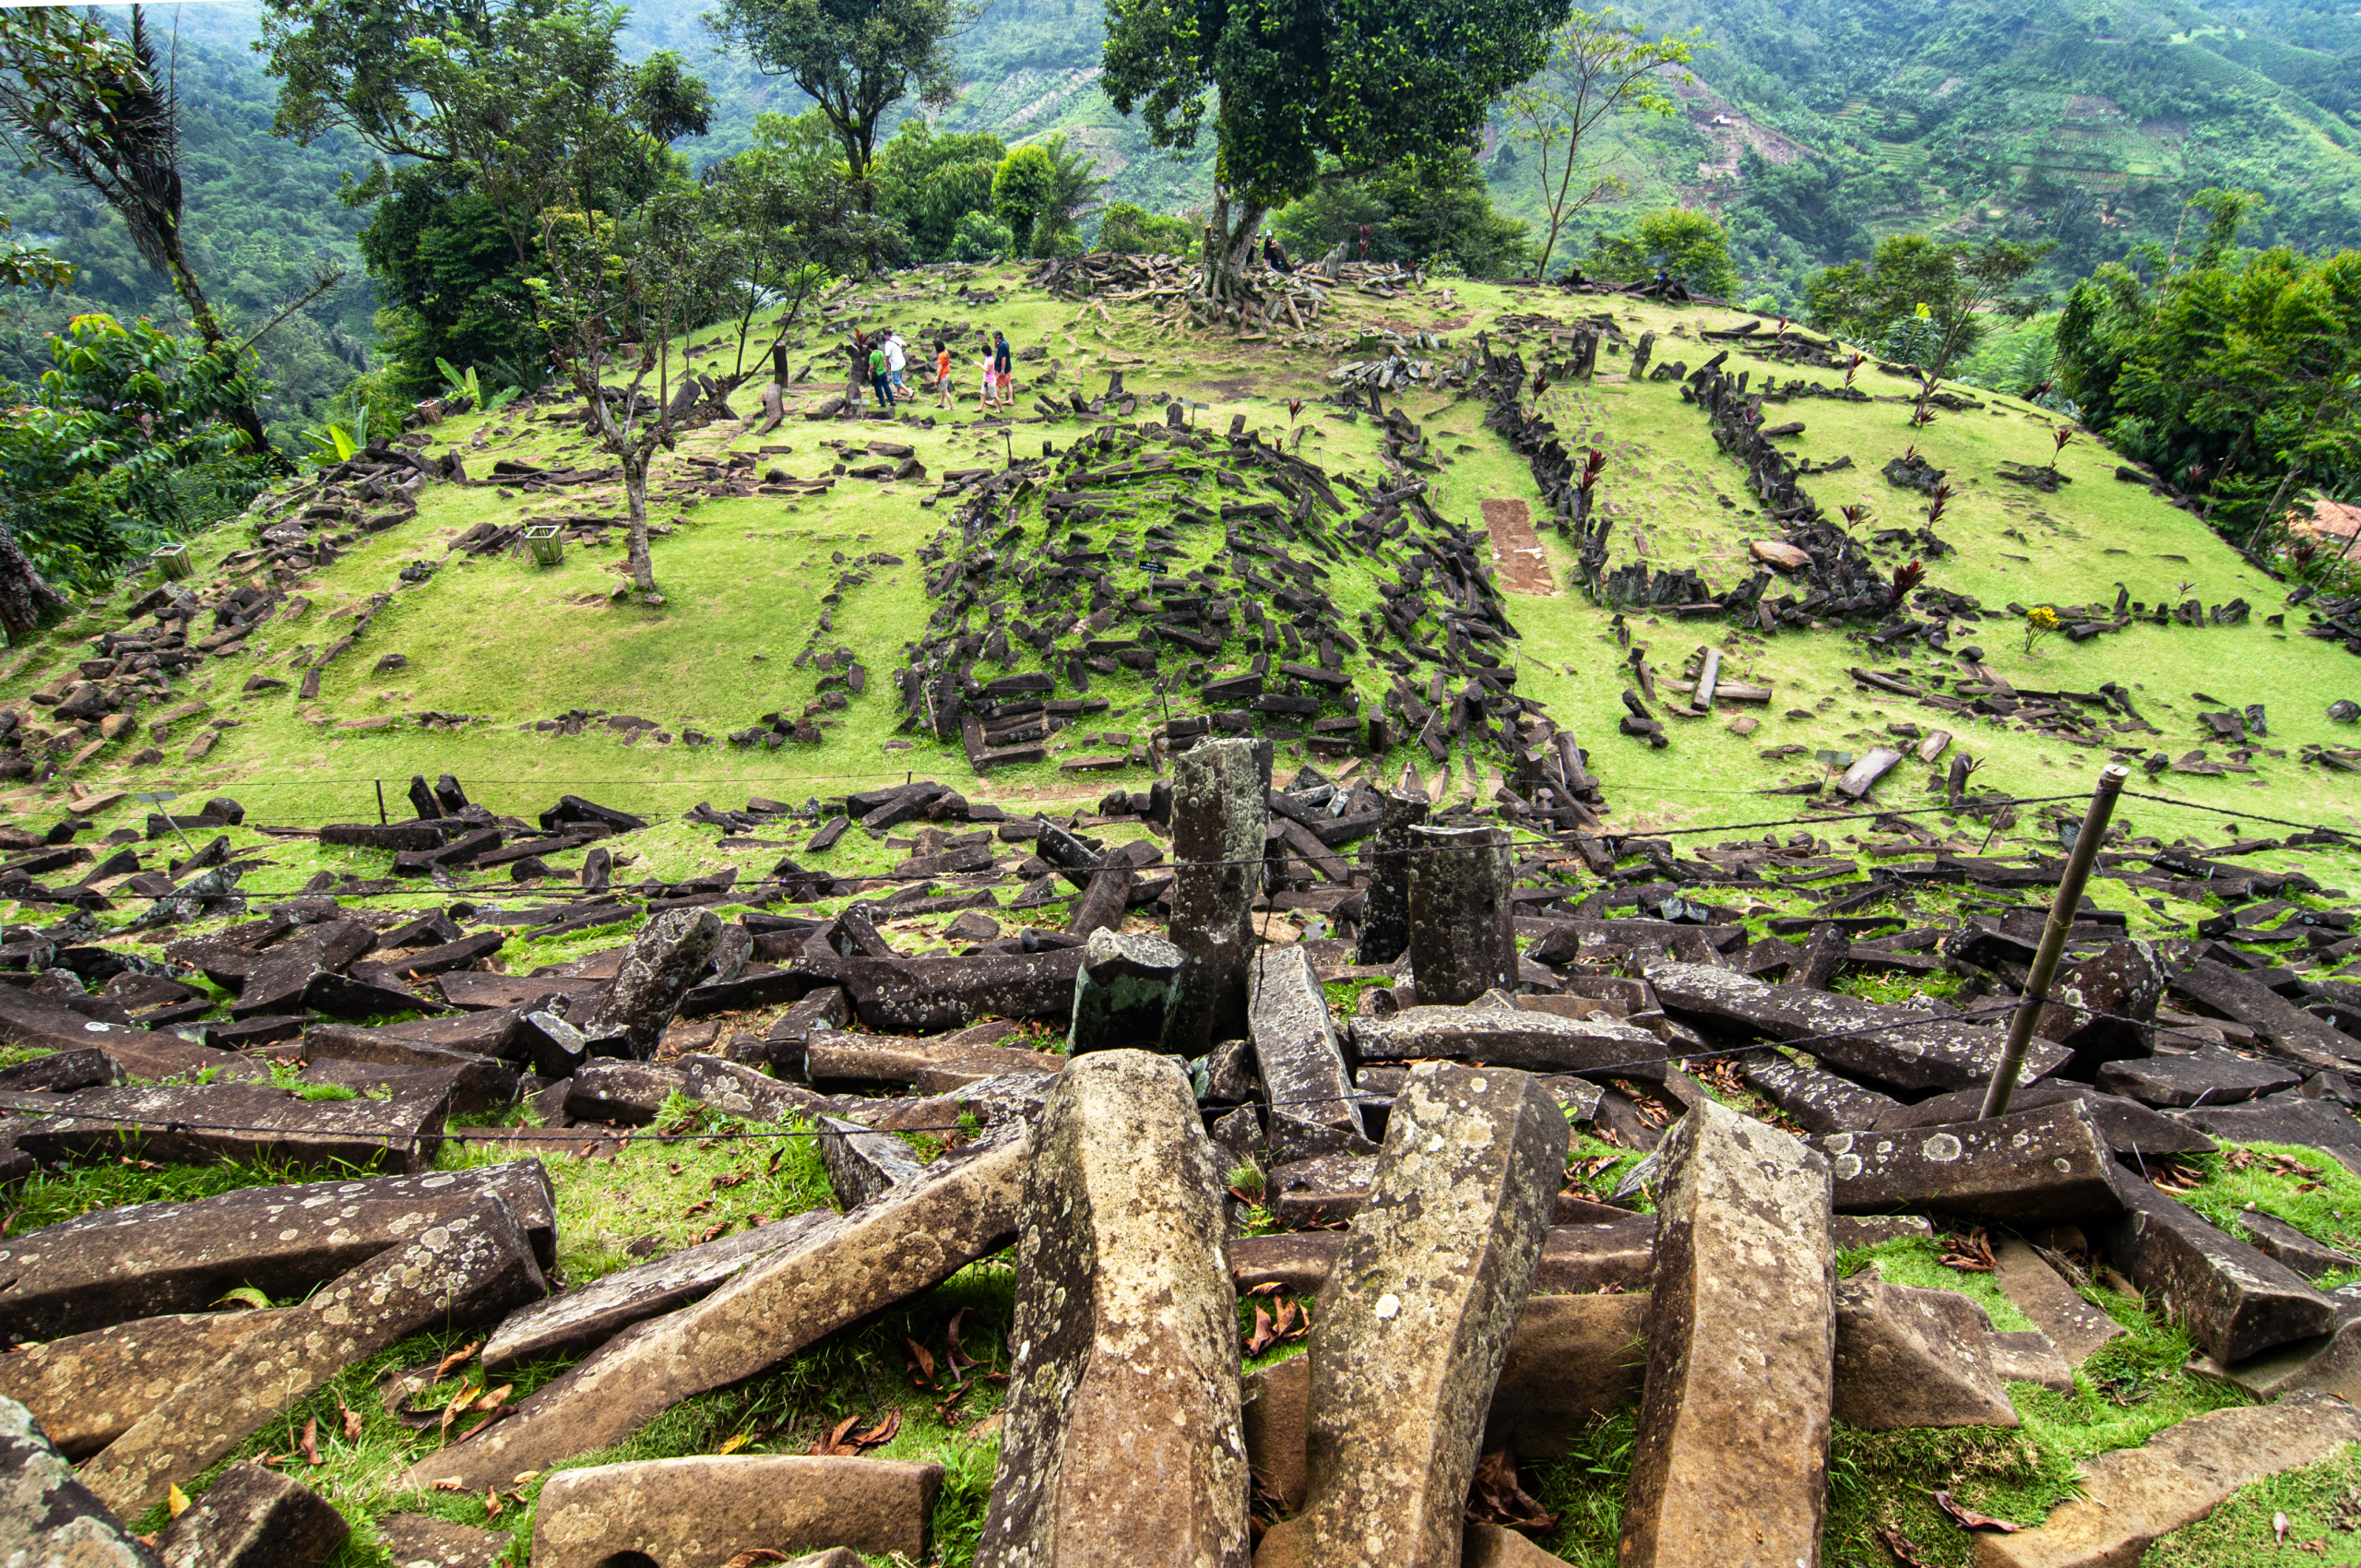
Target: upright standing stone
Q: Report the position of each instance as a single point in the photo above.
(1124, 994)
(1462, 943)
(1412, 1326)
(1219, 809)
(1121, 1443)
(662, 962)
(1385, 918)
(1309, 1105)
(1730, 1465)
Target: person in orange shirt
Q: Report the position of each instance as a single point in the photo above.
(943, 398)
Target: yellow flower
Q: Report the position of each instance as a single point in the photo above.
(2042, 616)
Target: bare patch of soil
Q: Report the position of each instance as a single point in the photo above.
(1524, 567)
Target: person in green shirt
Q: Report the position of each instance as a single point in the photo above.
(878, 377)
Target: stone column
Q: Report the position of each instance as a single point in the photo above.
(1220, 812)
(1461, 942)
(1385, 918)
(1735, 1423)
(1414, 1320)
(1122, 1442)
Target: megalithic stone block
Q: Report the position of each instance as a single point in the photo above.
(2133, 1495)
(1310, 1107)
(2049, 1166)
(1733, 1423)
(1462, 940)
(148, 1260)
(474, 1266)
(1385, 916)
(1121, 1443)
(705, 1510)
(1914, 1357)
(1219, 809)
(1414, 1321)
(2095, 997)
(51, 1517)
(251, 1517)
(1124, 995)
(664, 960)
(88, 1389)
(914, 1237)
(2232, 1301)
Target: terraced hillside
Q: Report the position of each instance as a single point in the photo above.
(790, 893)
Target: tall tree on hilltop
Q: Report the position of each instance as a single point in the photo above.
(857, 59)
(555, 129)
(1355, 86)
(1597, 68)
(104, 114)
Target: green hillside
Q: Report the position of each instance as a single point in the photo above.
(747, 581)
(515, 678)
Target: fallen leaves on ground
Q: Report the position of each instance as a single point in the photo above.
(1905, 1550)
(1971, 1253)
(843, 1441)
(1968, 1518)
(1496, 1495)
(464, 1353)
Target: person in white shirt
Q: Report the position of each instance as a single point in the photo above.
(897, 360)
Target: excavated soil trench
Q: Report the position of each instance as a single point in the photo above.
(1523, 567)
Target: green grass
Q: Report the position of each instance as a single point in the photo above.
(510, 644)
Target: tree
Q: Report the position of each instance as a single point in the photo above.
(1299, 94)
(1691, 248)
(857, 59)
(106, 116)
(1960, 284)
(1128, 229)
(121, 445)
(1597, 68)
(611, 284)
(927, 182)
(780, 232)
(1021, 188)
(2238, 376)
(350, 65)
(1420, 211)
(493, 110)
(1073, 190)
(550, 126)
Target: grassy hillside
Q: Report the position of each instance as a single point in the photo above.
(508, 643)
(493, 647)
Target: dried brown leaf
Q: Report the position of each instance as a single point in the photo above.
(310, 1440)
(464, 1353)
(1968, 1518)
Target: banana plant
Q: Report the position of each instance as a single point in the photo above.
(469, 386)
(331, 443)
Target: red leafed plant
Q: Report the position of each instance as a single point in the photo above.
(1906, 578)
(1594, 464)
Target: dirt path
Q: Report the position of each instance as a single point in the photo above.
(1523, 568)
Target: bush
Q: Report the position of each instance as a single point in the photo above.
(1424, 212)
(1134, 230)
(978, 238)
(1691, 248)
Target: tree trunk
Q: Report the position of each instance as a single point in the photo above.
(1233, 244)
(25, 599)
(208, 326)
(643, 571)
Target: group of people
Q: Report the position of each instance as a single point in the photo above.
(881, 360)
